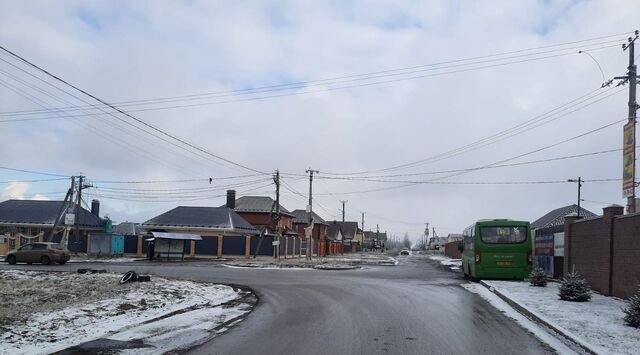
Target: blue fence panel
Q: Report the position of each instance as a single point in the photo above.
(265, 249)
(207, 246)
(234, 245)
(131, 244)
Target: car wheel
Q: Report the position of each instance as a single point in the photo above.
(29, 263)
(11, 259)
(44, 260)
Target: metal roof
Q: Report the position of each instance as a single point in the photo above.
(258, 204)
(35, 212)
(556, 217)
(221, 219)
(301, 216)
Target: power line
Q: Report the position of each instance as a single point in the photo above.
(481, 167)
(521, 128)
(321, 90)
(346, 78)
(159, 130)
(372, 178)
(34, 172)
(32, 181)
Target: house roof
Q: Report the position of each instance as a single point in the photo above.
(556, 217)
(258, 204)
(348, 230)
(34, 212)
(371, 235)
(301, 216)
(128, 228)
(221, 219)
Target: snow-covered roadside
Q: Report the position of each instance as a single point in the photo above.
(337, 262)
(543, 334)
(453, 264)
(128, 315)
(598, 323)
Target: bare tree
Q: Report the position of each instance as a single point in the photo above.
(406, 242)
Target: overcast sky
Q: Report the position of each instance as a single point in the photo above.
(123, 51)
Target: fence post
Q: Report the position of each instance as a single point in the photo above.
(609, 216)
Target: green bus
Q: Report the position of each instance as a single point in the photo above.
(497, 249)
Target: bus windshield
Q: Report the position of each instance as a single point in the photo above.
(503, 235)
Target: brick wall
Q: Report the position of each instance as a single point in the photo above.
(451, 250)
(626, 256)
(606, 251)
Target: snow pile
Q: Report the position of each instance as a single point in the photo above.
(49, 328)
(598, 322)
(453, 264)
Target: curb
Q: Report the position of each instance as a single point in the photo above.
(537, 318)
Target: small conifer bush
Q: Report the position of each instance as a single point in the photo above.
(574, 288)
(538, 277)
(632, 312)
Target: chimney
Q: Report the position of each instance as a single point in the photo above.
(95, 208)
(231, 199)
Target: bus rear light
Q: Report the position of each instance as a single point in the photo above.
(530, 258)
(477, 257)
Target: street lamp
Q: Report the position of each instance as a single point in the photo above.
(579, 181)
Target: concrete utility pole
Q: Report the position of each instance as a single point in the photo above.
(78, 202)
(579, 181)
(309, 232)
(276, 179)
(343, 202)
(631, 77)
(63, 208)
(425, 236)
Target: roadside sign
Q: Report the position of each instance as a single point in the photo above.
(275, 243)
(628, 160)
(69, 219)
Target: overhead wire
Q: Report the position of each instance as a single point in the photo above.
(121, 111)
(349, 78)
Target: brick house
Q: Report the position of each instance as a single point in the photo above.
(319, 233)
(374, 240)
(257, 211)
(342, 237)
(222, 230)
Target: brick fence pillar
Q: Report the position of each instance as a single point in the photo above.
(247, 246)
(139, 247)
(220, 246)
(568, 224)
(609, 214)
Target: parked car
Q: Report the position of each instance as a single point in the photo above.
(405, 251)
(44, 253)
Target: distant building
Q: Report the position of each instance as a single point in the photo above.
(258, 211)
(374, 240)
(24, 221)
(222, 230)
(342, 237)
(319, 233)
(549, 238)
(454, 237)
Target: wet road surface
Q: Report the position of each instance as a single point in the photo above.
(416, 307)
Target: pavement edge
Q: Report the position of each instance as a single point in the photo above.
(537, 318)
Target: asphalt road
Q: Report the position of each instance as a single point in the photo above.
(416, 307)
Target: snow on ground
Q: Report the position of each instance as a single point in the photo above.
(123, 259)
(598, 323)
(46, 312)
(337, 262)
(541, 333)
(453, 264)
